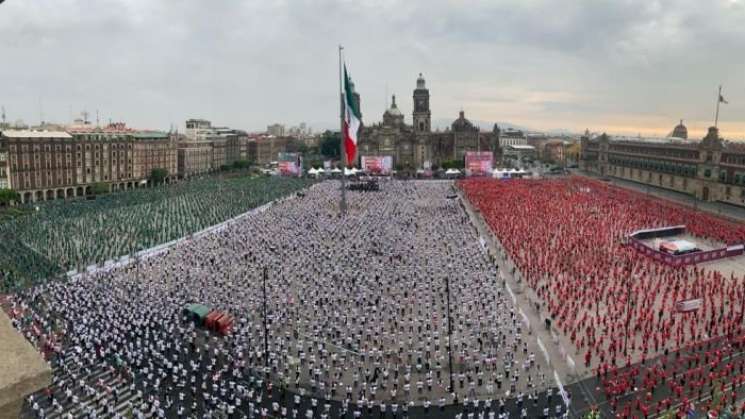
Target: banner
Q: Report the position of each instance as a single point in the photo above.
(382, 165)
(478, 163)
(689, 305)
(290, 164)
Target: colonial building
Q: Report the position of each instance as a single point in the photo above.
(710, 169)
(416, 146)
(45, 165)
(4, 171)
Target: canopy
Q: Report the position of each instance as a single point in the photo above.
(452, 172)
(312, 171)
(320, 170)
(681, 246)
(335, 170)
(349, 172)
(197, 311)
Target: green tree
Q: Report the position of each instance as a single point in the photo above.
(453, 164)
(331, 145)
(158, 176)
(241, 164)
(100, 188)
(9, 196)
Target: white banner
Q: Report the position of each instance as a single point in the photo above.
(689, 305)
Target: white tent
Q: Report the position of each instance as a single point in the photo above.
(452, 172)
(335, 170)
(350, 172)
(312, 171)
(320, 170)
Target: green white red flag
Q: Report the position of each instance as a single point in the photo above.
(352, 120)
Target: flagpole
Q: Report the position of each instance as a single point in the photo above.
(719, 99)
(343, 202)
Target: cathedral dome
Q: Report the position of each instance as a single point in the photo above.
(680, 131)
(392, 115)
(393, 110)
(462, 124)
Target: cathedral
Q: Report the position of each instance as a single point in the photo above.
(416, 146)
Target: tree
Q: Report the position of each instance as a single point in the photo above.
(100, 188)
(158, 176)
(453, 164)
(9, 196)
(331, 145)
(241, 164)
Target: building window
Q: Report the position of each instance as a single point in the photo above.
(707, 173)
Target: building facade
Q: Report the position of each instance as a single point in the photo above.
(4, 171)
(710, 169)
(268, 147)
(417, 146)
(277, 130)
(206, 148)
(45, 165)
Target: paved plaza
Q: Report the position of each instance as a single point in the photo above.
(357, 313)
(357, 317)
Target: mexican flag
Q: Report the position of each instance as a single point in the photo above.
(352, 120)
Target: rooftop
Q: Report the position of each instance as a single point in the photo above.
(35, 134)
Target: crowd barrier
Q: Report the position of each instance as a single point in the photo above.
(635, 241)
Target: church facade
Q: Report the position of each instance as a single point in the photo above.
(416, 146)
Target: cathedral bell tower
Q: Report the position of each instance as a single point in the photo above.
(422, 114)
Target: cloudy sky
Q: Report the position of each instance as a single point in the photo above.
(616, 66)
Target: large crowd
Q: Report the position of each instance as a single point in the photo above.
(61, 236)
(356, 317)
(616, 307)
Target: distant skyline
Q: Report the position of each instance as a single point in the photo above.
(624, 67)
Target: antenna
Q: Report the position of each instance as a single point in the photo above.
(386, 96)
(3, 109)
(98, 122)
(84, 114)
(41, 114)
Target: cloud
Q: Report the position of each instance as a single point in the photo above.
(247, 64)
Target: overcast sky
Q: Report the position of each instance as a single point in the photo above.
(616, 66)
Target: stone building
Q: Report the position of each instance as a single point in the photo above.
(269, 147)
(417, 146)
(194, 157)
(710, 169)
(45, 165)
(4, 171)
(206, 148)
